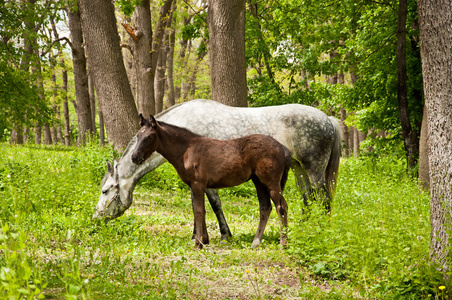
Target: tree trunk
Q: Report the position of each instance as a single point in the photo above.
(160, 78)
(436, 48)
(424, 179)
(60, 132)
(356, 143)
(47, 134)
(142, 43)
(37, 133)
(55, 110)
(54, 127)
(344, 133)
(67, 132)
(182, 62)
(164, 20)
(101, 126)
(226, 21)
(83, 108)
(109, 74)
(170, 96)
(351, 138)
(410, 140)
(92, 101)
(146, 51)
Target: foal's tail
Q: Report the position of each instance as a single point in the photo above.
(333, 163)
(287, 163)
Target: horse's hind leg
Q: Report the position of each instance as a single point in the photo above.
(312, 183)
(215, 202)
(320, 189)
(282, 210)
(302, 179)
(265, 208)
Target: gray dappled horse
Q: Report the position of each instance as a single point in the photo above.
(312, 137)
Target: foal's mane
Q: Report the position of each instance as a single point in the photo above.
(176, 130)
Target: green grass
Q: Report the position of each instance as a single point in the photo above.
(374, 244)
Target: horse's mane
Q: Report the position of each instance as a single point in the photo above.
(179, 130)
(133, 141)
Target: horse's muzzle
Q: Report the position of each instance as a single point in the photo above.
(137, 159)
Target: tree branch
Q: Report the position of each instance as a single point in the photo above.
(131, 31)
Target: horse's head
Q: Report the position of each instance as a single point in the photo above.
(111, 201)
(147, 140)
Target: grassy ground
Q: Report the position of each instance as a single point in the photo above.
(374, 244)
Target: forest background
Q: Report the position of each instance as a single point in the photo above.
(339, 57)
(357, 60)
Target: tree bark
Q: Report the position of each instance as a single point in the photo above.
(436, 47)
(109, 74)
(83, 108)
(226, 21)
(101, 126)
(92, 101)
(424, 178)
(410, 139)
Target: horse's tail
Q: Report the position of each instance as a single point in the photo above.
(287, 164)
(333, 163)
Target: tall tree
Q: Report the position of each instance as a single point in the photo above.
(147, 47)
(82, 107)
(226, 21)
(109, 74)
(411, 141)
(141, 36)
(435, 20)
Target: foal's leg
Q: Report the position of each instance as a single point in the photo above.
(199, 212)
(215, 203)
(265, 208)
(282, 210)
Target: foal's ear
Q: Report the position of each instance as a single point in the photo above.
(152, 121)
(142, 120)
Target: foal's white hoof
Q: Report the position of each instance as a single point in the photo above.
(255, 243)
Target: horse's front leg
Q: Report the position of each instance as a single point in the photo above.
(199, 212)
(265, 208)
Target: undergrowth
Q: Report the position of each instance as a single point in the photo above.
(374, 243)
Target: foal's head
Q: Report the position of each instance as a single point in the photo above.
(147, 140)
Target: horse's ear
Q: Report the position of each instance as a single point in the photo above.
(142, 120)
(110, 168)
(116, 173)
(152, 121)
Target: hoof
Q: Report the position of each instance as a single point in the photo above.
(255, 243)
(224, 239)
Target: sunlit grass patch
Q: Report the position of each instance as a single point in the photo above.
(374, 244)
